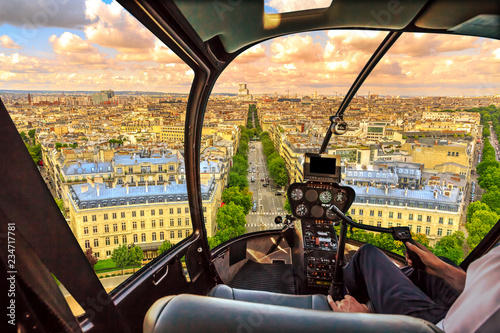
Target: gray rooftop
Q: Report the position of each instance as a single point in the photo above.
(131, 160)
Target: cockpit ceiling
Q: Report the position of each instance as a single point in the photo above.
(239, 23)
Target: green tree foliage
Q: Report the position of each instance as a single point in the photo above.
(238, 180)
(60, 204)
(164, 247)
(486, 131)
(121, 256)
(479, 225)
(451, 247)
(242, 198)
(474, 207)
(31, 133)
(23, 136)
(287, 206)
(230, 223)
(136, 255)
(492, 198)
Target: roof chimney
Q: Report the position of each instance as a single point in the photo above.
(146, 187)
(435, 194)
(367, 189)
(406, 191)
(165, 186)
(97, 190)
(127, 188)
(386, 188)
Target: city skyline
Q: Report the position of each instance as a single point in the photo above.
(94, 45)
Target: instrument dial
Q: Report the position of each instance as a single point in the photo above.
(325, 196)
(317, 211)
(340, 197)
(301, 210)
(296, 194)
(331, 214)
(311, 195)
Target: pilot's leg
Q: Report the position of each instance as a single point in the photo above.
(436, 288)
(371, 275)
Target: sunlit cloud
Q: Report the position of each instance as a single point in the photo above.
(8, 43)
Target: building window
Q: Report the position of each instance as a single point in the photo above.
(94, 229)
(106, 228)
(372, 213)
(171, 210)
(440, 232)
(96, 242)
(153, 236)
(186, 210)
(419, 229)
(161, 223)
(379, 213)
(134, 214)
(135, 238)
(107, 241)
(400, 215)
(160, 211)
(391, 215)
(160, 168)
(85, 230)
(450, 221)
(152, 212)
(143, 238)
(143, 224)
(179, 210)
(410, 217)
(429, 219)
(134, 225)
(124, 239)
(162, 235)
(172, 234)
(142, 213)
(122, 215)
(204, 209)
(179, 221)
(153, 223)
(108, 253)
(171, 222)
(115, 240)
(114, 216)
(353, 211)
(360, 212)
(379, 223)
(87, 244)
(187, 233)
(427, 231)
(441, 220)
(179, 233)
(419, 218)
(115, 227)
(389, 224)
(94, 218)
(410, 226)
(106, 216)
(130, 169)
(85, 219)
(186, 221)
(124, 226)
(448, 232)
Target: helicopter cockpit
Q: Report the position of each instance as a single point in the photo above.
(272, 279)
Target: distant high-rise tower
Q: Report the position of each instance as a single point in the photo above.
(243, 91)
(29, 99)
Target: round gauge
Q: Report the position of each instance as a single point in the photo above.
(317, 211)
(311, 195)
(331, 214)
(301, 210)
(325, 196)
(297, 194)
(309, 234)
(340, 197)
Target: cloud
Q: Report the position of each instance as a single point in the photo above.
(296, 48)
(283, 6)
(8, 43)
(31, 15)
(255, 53)
(115, 28)
(76, 51)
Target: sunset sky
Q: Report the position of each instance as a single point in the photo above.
(95, 44)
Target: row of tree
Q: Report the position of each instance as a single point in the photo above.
(34, 149)
(275, 163)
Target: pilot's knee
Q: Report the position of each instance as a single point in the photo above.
(369, 250)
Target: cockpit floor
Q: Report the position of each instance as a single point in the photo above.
(265, 277)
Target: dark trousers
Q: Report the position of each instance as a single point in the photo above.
(371, 276)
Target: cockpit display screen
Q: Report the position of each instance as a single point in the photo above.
(325, 168)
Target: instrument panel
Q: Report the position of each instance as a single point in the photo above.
(311, 202)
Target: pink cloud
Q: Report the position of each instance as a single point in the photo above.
(296, 48)
(8, 43)
(76, 51)
(255, 53)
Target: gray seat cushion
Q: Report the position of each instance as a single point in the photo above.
(313, 302)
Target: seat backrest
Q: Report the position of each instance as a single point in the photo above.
(190, 313)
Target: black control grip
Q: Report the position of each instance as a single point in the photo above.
(416, 262)
(403, 234)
